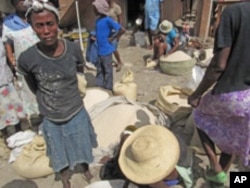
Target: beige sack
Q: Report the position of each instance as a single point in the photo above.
(171, 99)
(94, 96)
(128, 77)
(177, 63)
(33, 162)
(128, 90)
(126, 87)
(82, 83)
(4, 151)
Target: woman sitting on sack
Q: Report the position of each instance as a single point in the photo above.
(165, 43)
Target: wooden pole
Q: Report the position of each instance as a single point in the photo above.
(205, 19)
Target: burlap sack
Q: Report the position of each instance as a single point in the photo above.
(82, 83)
(128, 90)
(33, 162)
(173, 102)
(127, 77)
(171, 99)
(126, 87)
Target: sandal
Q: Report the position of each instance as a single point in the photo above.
(220, 177)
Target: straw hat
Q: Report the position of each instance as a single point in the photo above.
(149, 154)
(165, 26)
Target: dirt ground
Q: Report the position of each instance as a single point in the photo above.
(148, 82)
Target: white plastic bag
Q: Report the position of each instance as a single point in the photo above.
(197, 75)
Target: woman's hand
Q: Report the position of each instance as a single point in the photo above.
(194, 100)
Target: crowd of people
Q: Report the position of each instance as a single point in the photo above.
(150, 156)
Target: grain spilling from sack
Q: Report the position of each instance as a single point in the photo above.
(177, 56)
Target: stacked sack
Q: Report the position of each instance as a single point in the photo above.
(126, 87)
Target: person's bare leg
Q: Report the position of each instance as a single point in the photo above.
(156, 48)
(210, 151)
(118, 59)
(226, 160)
(65, 175)
(87, 174)
(162, 49)
(150, 39)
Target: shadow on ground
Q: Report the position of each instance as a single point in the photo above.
(20, 184)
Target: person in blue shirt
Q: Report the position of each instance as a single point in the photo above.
(105, 26)
(166, 42)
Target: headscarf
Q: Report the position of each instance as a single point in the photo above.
(39, 5)
(102, 6)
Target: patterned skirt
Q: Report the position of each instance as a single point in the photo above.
(225, 118)
(28, 99)
(11, 109)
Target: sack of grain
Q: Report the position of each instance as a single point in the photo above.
(110, 123)
(128, 77)
(33, 162)
(177, 63)
(95, 95)
(126, 87)
(173, 102)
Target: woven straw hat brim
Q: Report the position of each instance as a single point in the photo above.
(165, 152)
(169, 27)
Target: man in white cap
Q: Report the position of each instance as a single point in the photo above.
(165, 43)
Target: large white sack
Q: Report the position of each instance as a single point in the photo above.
(110, 123)
(94, 96)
